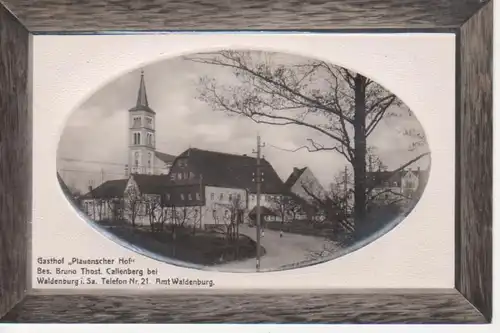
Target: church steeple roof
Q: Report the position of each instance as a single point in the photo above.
(142, 97)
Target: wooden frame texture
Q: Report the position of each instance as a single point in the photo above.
(470, 20)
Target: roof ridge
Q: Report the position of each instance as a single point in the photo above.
(224, 153)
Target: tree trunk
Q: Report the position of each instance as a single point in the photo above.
(359, 163)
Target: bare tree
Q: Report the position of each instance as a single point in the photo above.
(285, 207)
(229, 216)
(134, 202)
(114, 205)
(342, 107)
(179, 217)
(155, 212)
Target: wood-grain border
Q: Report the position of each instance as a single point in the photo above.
(469, 302)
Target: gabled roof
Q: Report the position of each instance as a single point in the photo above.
(233, 171)
(108, 190)
(142, 98)
(152, 184)
(294, 176)
(166, 158)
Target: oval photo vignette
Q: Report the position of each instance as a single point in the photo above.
(243, 161)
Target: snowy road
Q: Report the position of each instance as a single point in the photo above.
(280, 251)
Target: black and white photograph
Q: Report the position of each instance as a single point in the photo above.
(243, 160)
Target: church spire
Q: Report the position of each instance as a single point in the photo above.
(142, 97)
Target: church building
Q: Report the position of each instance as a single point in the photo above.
(143, 157)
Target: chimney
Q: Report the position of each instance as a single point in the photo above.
(90, 188)
(418, 169)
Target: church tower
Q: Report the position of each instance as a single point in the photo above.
(141, 134)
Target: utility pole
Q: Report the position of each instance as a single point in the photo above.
(202, 198)
(102, 175)
(258, 178)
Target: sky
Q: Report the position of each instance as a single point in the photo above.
(94, 144)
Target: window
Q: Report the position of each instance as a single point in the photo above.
(149, 160)
(230, 197)
(186, 175)
(252, 197)
(167, 196)
(395, 184)
(182, 196)
(221, 196)
(190, 197)
(198, 196)
(172, 176)
(179, 175)
(212, 196)
(136, 155)
(137, 138)
(226, 213)
(238, 196)
(149, 139)
(137, 122)
(149, 122)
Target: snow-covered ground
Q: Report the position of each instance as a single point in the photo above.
(280, 251)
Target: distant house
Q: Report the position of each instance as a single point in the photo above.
(303, 183)
(306, 190)
(105, 202)
(401, 186)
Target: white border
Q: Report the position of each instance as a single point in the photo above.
(419, 68)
